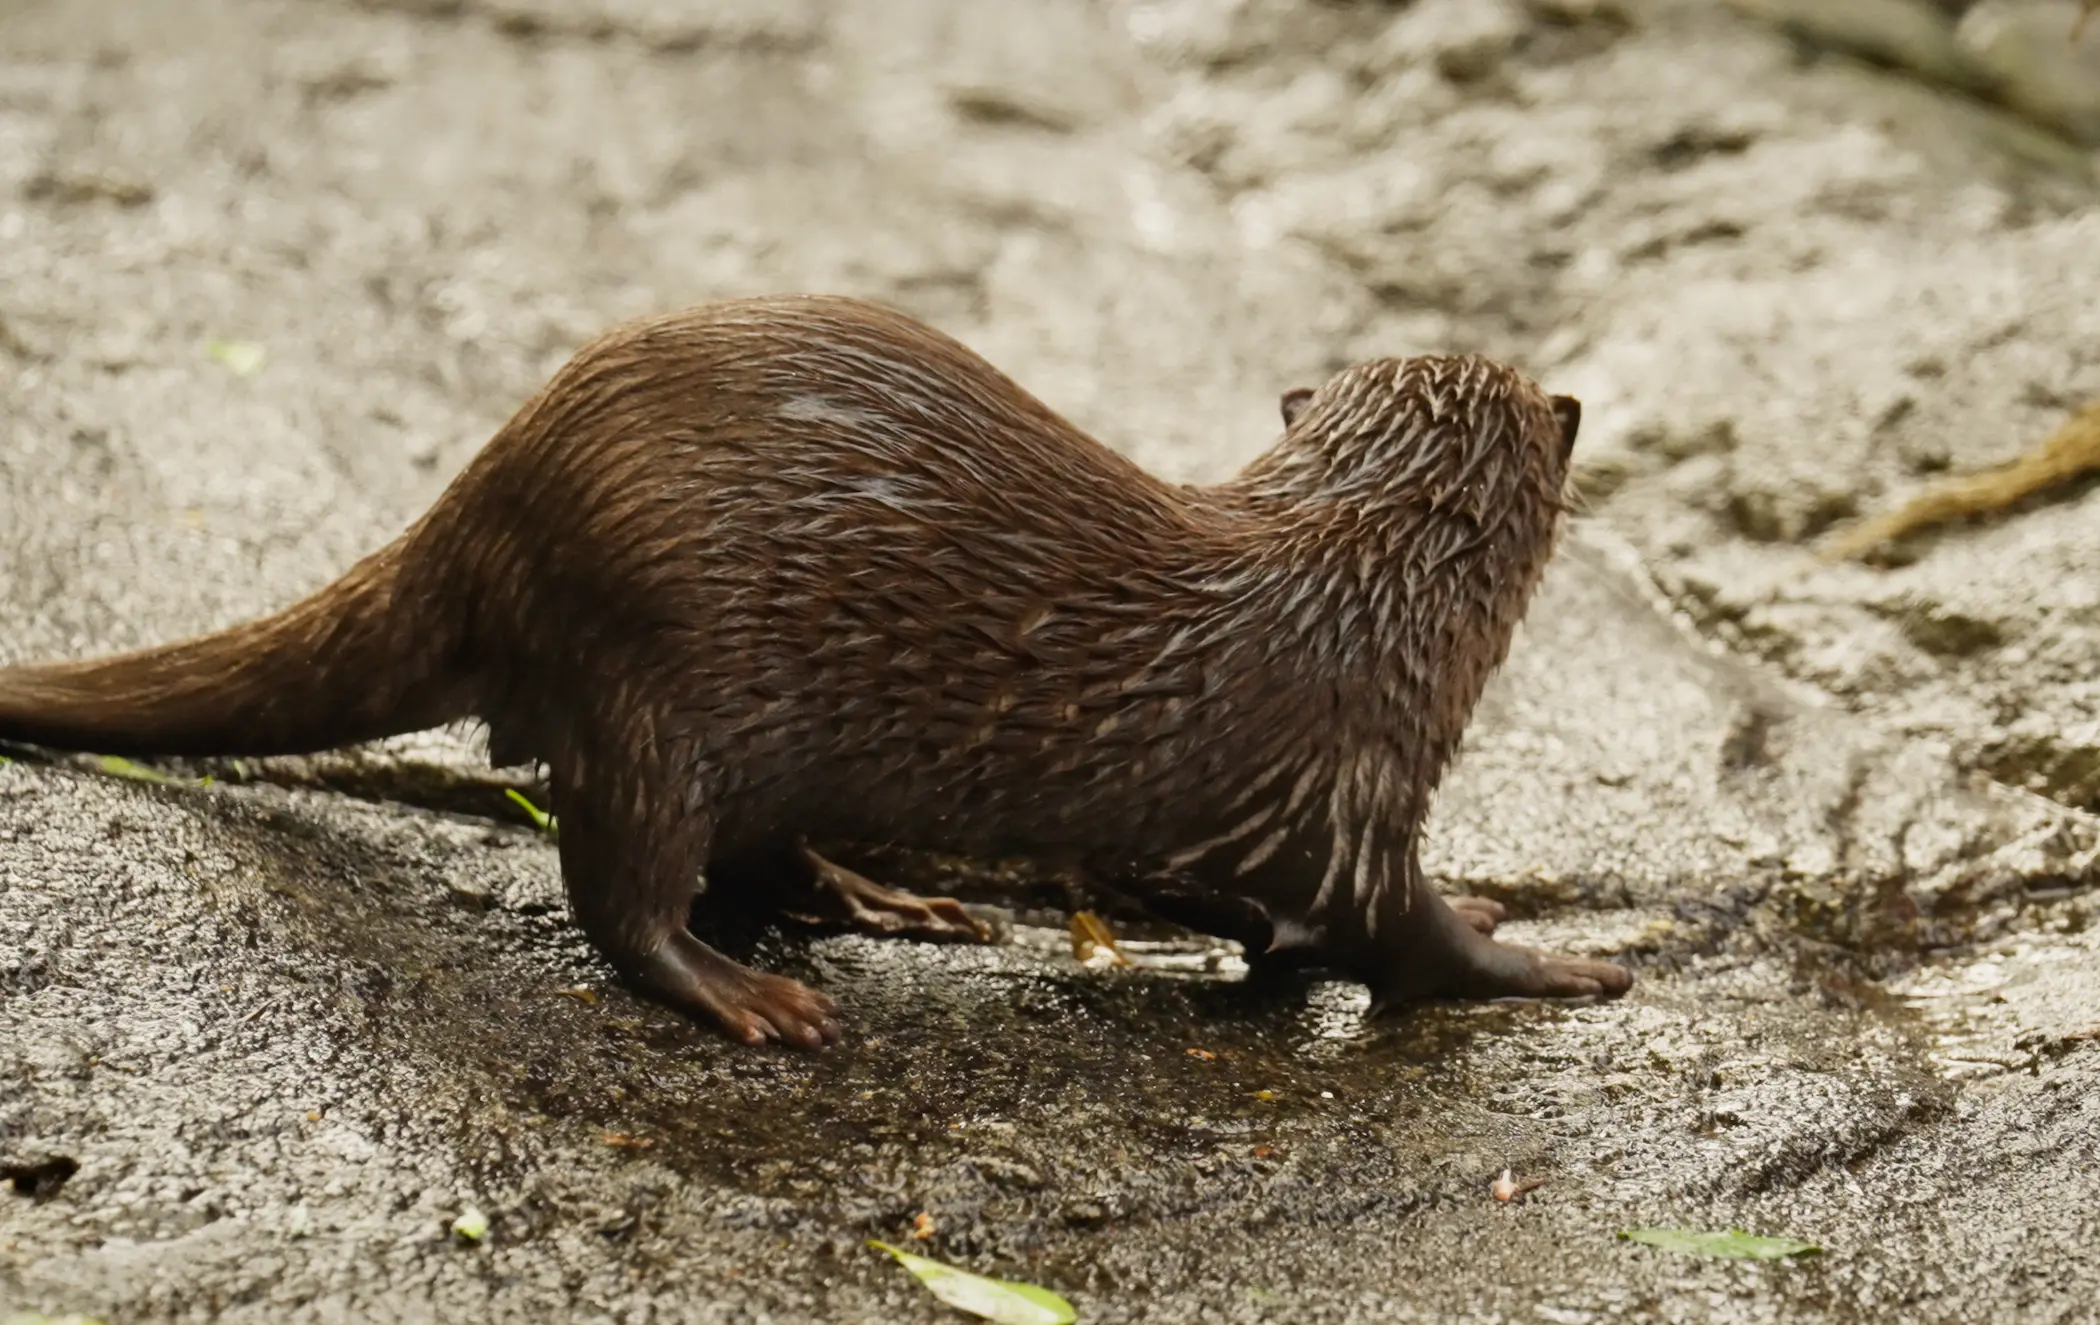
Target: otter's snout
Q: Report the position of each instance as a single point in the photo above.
(1569, 411)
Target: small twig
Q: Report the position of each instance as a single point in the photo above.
(2070, 452)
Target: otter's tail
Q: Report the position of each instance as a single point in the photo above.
(356, 661)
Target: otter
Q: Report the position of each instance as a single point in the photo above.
(776, 570)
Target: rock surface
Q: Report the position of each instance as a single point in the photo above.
(262, 1042)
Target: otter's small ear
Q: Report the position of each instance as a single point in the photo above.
(1569, 411)
(1294, 403)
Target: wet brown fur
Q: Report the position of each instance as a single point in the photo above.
(803, 567)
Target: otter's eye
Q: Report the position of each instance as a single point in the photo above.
(1569, 411)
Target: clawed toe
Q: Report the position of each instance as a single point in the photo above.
(775, 1008)
(750, 1006)
(1449, 956)
(1481, 914)
(946, 922)
(1577, 977)
(1515, 972)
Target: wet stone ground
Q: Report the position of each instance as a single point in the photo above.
(262, 1041)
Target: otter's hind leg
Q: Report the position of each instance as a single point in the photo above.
(844, 897)
(1435, 951)
(631, 855)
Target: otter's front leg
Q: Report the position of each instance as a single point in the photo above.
(1430, 948)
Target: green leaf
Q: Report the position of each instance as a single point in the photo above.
(118, 766)
(471, 1226)
(1732, 1245)
(540, 818)
(998, 1300)
(242, 358)
(39, 1318)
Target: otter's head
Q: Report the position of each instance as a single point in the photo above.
(1457, 463)
(1427, 492)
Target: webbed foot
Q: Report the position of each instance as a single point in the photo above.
(844, 897)
(1444, 952)
(750, 1006)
